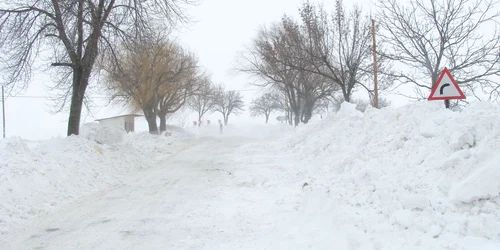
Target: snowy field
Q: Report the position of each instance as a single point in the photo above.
(416, 177)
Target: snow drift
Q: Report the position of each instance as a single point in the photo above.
(38, 177)
(102, 133)
(416, 177)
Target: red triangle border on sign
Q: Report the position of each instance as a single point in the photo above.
(434, 89)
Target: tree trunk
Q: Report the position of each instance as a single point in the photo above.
(289, 116)
(307, 115)
(295, 112)
(296, 116)
(296, 120)
(80, 83)
(267, 118)
(163, 123)
(226, 119)
(200, 115)
(307, 112)
(347, 96)
(151, 119)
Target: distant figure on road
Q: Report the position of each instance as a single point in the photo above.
(221, 127)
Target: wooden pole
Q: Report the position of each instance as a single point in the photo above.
(375, 83)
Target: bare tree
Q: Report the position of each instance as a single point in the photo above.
(154, 75)
(203, 100)
(313, 88)
(227, 103)
(429, 35)
(276, 60)
(268, 59)
(134, 79)
(338, 47)
(283, 104)
(78, 32)
(181, 80)
(264, 105)
(310, 61)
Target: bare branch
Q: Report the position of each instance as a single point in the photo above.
(79, 33)
(430, 35)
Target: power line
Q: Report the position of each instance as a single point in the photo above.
(98, 97)
(49, 97)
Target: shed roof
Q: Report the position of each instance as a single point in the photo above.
(133, 115)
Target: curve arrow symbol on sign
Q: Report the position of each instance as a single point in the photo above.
(445, 82)
(442, 88)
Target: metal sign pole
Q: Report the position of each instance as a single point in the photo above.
(447, 104)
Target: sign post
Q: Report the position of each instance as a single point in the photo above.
(446, 88)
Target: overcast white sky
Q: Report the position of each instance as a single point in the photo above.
(222, 28)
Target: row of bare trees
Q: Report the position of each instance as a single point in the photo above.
(326, 56)
(80, 34)
(158, 76)
(86, 37)
(312, 60)
(307, 61)
(266, 104)
(214, 98)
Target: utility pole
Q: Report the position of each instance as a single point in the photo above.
(375, 84)
(3, 110)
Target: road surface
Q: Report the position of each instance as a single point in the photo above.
(217, 193)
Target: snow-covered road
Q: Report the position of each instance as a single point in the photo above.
(343, 183)
(207, 196)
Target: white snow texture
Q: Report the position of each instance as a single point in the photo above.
(414, 177)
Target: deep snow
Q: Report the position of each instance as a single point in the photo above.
(37, 177)
(415, 177)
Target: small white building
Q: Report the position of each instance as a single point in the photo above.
(124, 121)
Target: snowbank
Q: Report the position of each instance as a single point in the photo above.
(102, 134)
(416, 177)
(483, 183)
(38, 177)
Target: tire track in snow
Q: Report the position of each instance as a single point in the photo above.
(207, 195)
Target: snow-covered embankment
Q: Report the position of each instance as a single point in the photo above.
(39, 177)
(416, 177)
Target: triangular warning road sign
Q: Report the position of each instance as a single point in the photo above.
(446, 88)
